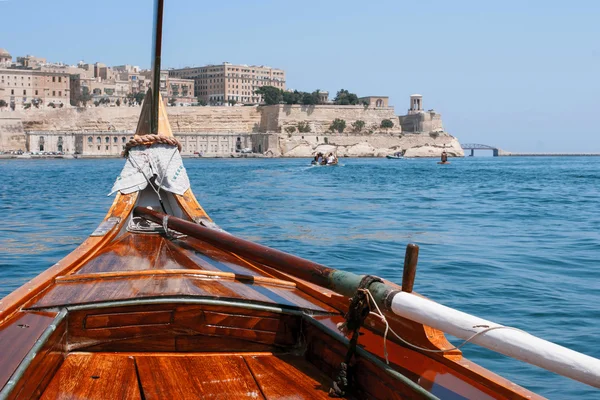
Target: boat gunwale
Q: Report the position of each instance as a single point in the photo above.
(91, 246)
(250, 304)
(197, 273)
(31, 354)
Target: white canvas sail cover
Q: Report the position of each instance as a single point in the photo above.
(161, 163)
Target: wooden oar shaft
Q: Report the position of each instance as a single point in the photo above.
(506, 340)
(288, 263)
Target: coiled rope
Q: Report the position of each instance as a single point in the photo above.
(148, 140)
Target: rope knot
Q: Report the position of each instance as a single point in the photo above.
(358, 311)
(359, 308)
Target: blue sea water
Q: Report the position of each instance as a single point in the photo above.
(513, 240)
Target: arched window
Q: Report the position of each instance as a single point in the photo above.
(41, 143)
(90, 139)
(379, 103)
(115, 139)
(107, 139)
(98, 140)
(123, 139)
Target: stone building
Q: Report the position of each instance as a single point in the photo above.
(59, 142)
(101, 144)
(32, 62)
(214, 144)
(20, 87)
(180, 90)
(5, 57)
(375, 101)
(219, 84)
(112, 143)
(418, 120)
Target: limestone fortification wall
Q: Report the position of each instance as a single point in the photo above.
(376, 145)
(99, 119)
(277, 118)
(267, 123)
(12, 135)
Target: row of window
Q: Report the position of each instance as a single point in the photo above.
(107, 139)
(12, 92)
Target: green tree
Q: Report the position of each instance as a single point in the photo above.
(290, 129)
(294, 97)
(344, 98)
(270, 94)
(172, 101)
(387, 123)
(3, 104)
(308, 99)
(358, 125)
(303, 127)
(27, 106)
(232, 102)
(338, 125)
(51, 105)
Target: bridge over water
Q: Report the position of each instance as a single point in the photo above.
(499, 152)
(476, 146)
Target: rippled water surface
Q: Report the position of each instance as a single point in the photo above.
(514, 240)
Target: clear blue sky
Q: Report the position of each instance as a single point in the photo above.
(522, 75)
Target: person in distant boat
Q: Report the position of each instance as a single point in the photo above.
(324, 159)
(331, 160)
(320, 158)
(315, 160)
(444, 156)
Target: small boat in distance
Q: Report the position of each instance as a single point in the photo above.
(444, 158)
(322, 160)
(160, 303)
(399, 155)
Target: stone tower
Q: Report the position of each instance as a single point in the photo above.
(416, 104)
(5, 57)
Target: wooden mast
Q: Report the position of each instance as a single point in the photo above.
(156, 62)
(153, 118)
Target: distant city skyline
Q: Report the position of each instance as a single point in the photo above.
(523, 77)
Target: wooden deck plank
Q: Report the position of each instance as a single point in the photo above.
(17, 337)
(288, 377)
(128, 253)
(94, 376)
(225, 377)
